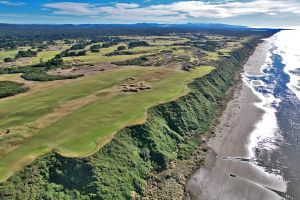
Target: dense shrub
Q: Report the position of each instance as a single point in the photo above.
(28, 53)
(109, 44)
(53, 63)
(95, 48)
(120, 48)
(8, 59)
(78, 46)
(10, 88)
(117, 53)
(135, 61)
(43, 76)
(209, 48)
(72, 53)
(138, 44)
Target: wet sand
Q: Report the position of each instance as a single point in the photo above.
(229, 172)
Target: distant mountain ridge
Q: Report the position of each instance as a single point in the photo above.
(142, 25)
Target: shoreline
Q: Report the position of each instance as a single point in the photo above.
(173, 182)
(170, 183)
(229, 171)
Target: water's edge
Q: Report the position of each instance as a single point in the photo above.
(230, 170)
(256, 152)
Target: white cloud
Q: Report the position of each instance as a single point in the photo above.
(126, 5)
(178, 10)
(9, 3)
(231, 8)
(72, 8)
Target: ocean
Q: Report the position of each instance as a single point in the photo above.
(275, 141)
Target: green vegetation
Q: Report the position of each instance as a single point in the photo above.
(7, 54)
(186, 149)
(109, 44)
(132, 45)
(43, 76)
(121, 48)
(100, 136)
(118, 53)
(73, 53)
(136, 61)
(38, 72)
(93, 58)
(28, 53)
(8, 59)
(10, 88)
(73, 137)
(78, 46)
(123, 165)
(95, 48)
(43, 56)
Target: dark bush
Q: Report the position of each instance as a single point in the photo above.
(109, 44)
(78, 46)
(28, 53)
(8, 60)
(132, 45)
(120, 48)
(10, 88)
(95, 48)
(43, 76)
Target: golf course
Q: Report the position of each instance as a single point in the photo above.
(77, 108)
(77, 118)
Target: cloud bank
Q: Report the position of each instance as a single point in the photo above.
(178, 10)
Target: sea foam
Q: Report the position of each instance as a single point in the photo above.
(288, 47)
(266, 129)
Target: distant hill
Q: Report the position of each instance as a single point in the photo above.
(140, 25)
(62, 31)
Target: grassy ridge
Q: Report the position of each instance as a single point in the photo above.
(122, 166)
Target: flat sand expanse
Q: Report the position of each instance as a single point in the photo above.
(229, 173)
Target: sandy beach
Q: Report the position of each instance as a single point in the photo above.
(229, 172)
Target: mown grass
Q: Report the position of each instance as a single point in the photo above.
(44, 56)
(7, 54)
(10, 77)
(85, 129)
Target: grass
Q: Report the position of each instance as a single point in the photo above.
(9, 77)
(212, 55)
(124, 165)
(96, 58)
(92, 58)
(75, 119)
(7, 54)
(44, 55)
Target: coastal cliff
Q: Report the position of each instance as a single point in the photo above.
(121, 169)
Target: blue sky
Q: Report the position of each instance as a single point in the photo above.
(258, 13)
